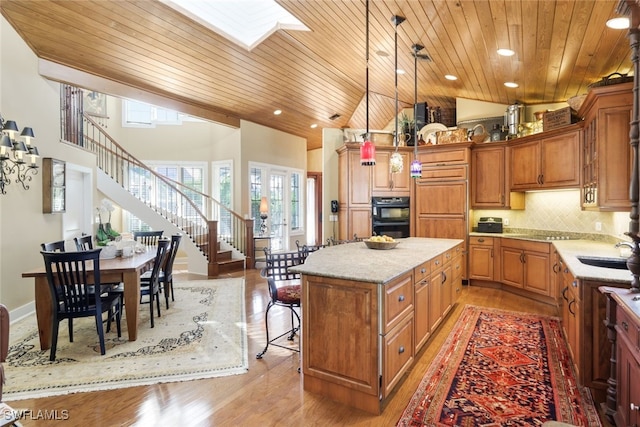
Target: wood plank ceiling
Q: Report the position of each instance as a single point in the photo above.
(561, 47)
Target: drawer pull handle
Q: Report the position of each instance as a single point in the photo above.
(423, 270)
(401, 298)
(635, 407)
(437, 262)
(571, 310)
(574, 283)
(564, 293)
(625, 326)
(401, 350)
(480, 240)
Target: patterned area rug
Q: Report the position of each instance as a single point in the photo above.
(501, 368)
(202, 335)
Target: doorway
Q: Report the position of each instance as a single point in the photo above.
(314, 208)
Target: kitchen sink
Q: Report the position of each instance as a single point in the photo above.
(617, 263)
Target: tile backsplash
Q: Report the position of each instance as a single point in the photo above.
(558, 211)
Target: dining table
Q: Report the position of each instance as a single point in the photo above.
(118, 269)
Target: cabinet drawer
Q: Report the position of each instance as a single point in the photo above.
(398, 353)
(437, 262)
(421, 271)
(398, 300)
(439, 157)
(627, 327)
(444, 173)
(481, 241)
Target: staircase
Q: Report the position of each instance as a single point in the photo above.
(217, 240)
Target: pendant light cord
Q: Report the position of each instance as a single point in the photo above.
(367, 71)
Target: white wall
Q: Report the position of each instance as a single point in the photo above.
(32, 101)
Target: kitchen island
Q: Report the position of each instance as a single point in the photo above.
(367, 312)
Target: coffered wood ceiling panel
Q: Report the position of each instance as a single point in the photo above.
(561, 47)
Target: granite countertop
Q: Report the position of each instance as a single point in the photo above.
(354, 261)
(569, 250)
(571, 245)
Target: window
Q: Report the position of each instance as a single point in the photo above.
(141, 114)
(222, 191)
(155, 192)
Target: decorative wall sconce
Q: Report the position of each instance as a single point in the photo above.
(264, 214)
(13, 155)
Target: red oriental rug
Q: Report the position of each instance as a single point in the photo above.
(501, 368)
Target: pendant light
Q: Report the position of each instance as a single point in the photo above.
(367, 149)
(416, 166)
(395, 163)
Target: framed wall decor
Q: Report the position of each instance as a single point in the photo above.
(53, 185)
(94, 103)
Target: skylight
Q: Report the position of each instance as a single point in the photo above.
(245, 22)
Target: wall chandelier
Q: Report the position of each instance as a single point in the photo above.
(14, 150)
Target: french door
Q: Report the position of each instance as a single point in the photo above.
(278, 208)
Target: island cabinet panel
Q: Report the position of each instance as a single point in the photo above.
(367, 312)
(398, 301)
(340, 344)
(421, 313)
(398, 347)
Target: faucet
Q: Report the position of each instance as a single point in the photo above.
(628, 244)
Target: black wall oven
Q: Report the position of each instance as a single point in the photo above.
(390, 216)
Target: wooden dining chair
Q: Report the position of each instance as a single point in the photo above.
(147, 238)
(57, 246)
(165, 276)
(284, 291)
(151, 287)
(84, 243)
(72, 286)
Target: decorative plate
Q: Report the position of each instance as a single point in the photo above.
(428, 132)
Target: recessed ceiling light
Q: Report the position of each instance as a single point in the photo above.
(620, 23)
(277, 112)
(510, 84)
(400, 71)
(313, 126)
(506, 52)
(382, 53)
(450, 77)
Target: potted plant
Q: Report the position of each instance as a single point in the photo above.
(406, 128)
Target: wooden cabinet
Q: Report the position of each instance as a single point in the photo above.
(490, 181)
(607, 153)
(386, 183)
(441, 194)
(422, 328)
(357, 184)
(628, 369)
(623, 320)
(571, 309)
(481, 258)
(526, 265)
(361, 337)
(547, 160)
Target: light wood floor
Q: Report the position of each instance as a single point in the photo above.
(270, 394)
